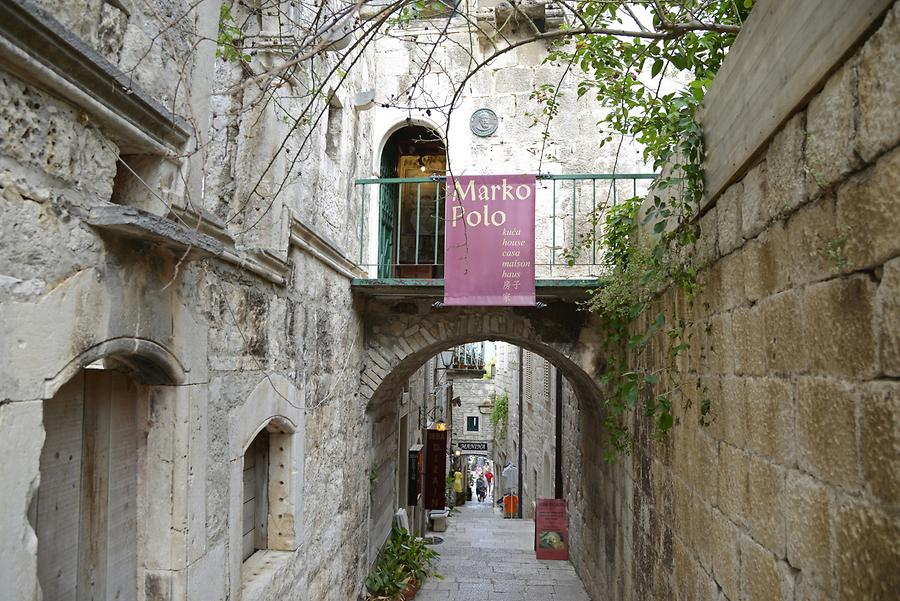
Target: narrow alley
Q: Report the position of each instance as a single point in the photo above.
(290, 289)
(487, 558)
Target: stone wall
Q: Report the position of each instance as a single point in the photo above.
(791, 492)
(505, 86)
(538, 400)
(416, 404)
(475, 399)
(220, 344)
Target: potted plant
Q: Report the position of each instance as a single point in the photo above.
(403, 564)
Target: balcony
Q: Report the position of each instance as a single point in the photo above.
(402, 231)
(468, 361)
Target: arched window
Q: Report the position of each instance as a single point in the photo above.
(411, 213)
(267, 514)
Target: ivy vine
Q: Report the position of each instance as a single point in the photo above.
(228, 39)
(500, 413)
(627, 76)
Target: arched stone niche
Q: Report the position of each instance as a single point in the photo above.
(157, 418)
(274, 405)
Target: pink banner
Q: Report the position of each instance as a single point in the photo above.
(489, 240)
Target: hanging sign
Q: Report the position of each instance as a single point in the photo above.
(467, 447)
(551, 536)
(433, 487)
(489, 240)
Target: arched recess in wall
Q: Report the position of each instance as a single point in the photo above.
(146, 361)
(411, 213)
(85, 513)
(266, 455)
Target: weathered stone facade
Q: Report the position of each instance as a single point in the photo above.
(474, 401)
(261, 335)
(537, 398)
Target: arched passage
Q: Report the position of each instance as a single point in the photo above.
(402, 335)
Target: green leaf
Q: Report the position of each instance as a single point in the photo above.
(665, 421)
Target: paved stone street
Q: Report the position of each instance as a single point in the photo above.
(487, 558)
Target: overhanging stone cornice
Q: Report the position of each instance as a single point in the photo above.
(261, 262)
(141, 225)
(37, 48)
(303, 237)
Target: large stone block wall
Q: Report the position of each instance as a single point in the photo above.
(791, 491)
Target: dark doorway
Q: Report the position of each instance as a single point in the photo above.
(411, 214)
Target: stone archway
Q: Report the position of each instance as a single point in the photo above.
(401, 335)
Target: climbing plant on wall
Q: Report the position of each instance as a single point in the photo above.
(652, 85)
(500, 413)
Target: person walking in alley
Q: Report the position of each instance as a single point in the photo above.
(480, 489)
(490, 479)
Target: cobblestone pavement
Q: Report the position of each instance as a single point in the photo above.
(486, 558)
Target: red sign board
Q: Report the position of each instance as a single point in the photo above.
(434, 485)
(489, 240)
(551, 535)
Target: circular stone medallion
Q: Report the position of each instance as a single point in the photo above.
(483, 122)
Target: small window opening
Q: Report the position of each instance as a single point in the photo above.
(267, 515)
(334, 130)
(472, 423)
(256, 487)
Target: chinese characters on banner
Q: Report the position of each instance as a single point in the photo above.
(489, 252)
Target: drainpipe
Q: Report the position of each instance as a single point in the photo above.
(558, 484)
(521, 362)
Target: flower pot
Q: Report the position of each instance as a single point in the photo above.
(410, 591)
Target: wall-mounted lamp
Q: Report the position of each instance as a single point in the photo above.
(440, 425)
(446, 358)
(421, 162)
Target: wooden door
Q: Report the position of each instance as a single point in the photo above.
(58, 509)
(86, 509)
(387, 220)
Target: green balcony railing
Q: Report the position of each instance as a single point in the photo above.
(402, 230)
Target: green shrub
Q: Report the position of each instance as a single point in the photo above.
(403, 558)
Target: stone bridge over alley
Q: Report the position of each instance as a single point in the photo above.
(401, 333)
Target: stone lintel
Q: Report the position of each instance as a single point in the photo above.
(141, 225)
